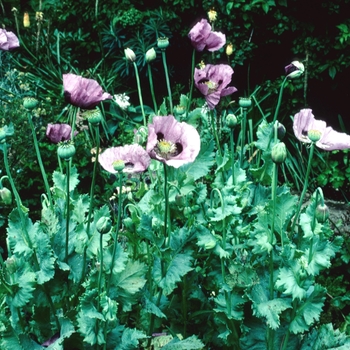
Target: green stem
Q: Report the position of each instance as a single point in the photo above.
(279, 100)
(140, 93)
(306, 182)
(166, 197)
(243, 132)
(43, 173)
(67, 209)
(167, 81)
(92, 191)
(115, 238)
(192, 83)
(212, 120)
(152, 88)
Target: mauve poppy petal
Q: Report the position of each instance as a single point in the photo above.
(136, 159)
(184, 136)
(333, 140)
(215, 41)
(82, 92)
(8, 40)
(199, 33)
(58, 132)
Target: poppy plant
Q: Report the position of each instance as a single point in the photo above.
(134, 158)
(308, 129)
(212, 81)
(8, 40)
(172, 142)
(82, 92)
(58, 132)
(203, 38)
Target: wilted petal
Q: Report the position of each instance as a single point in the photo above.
(8, 40)
(136, 159)
(58, 132)
(82, 92)
(182, 136)
(333, 140)
(215, 41)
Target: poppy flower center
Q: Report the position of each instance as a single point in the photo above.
(166, 149)
(118, 165)
(212, 86)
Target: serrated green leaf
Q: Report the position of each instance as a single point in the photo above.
(236, 301)
(60, 180)
(179, 265)
(120, 258)
(309, 310)
(191, 343)
(152, 308)
(288, 281)
(81, 207)
(202, 164)
(268, 309)
(130, 339)
(24, 288)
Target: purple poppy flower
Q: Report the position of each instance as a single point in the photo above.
(203, 38)
(58, 132)
(135, 158)
(82, 92)
(172, 142)
(212, 81)
(305, 126)
(8, 40)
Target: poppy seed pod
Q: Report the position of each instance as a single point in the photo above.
(163, 43)
(30, 102)
(245, 102)
(66, 150)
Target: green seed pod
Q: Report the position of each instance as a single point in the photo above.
(118, 165)
(66, 150)
(93, 116)
(104, 225)
(30, 102)
(245, 102)
(163, 43)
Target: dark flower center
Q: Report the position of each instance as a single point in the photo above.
(167, 149)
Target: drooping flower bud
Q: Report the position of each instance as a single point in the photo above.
(103, 225)
(30, 102)
(2, 134)
(66, 150)
(245, 102)
(163, 43)
(279, 153)
(322, 213)
(6, 196)
(231, 121)
(130, 55)
(151, 55)
(294, 70)
(26, 20)
(281, 131)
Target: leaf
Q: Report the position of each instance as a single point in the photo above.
(60, 180)
(236, 301)
(268, 309)
(152, 308)
(81, 207)
(120, 258)
(130, 339)
(191, 343)
(288, 281)
(179, 265)
(309, 310)
(202, 164)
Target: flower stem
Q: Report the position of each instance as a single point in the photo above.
(166, 197)
(243, 132)
(306, 182)
(115, 238)
(150, 78)
(212, 119)
(92, 191)
(67, 209)
(192, 83)
(43, 173)
(167, 81)
(232, 144)
(279, 100)
(140, 93)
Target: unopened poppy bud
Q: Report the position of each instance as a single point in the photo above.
(130, 55)
(141, 135)
(212, 15)
(279, 153)
(6, 196)
(26, 20)
(281, 131)
(229, 49)
(104, 225)
(180, 200)
(11, 264)
(30, 102)
(94, 116)
(314, 135)
(231, 121)
(163, 43)
(66, 150)
(118, 165)
(2, 134)
(294, 70)
(322, 213)
(151, 55)
(179, 110)
(245, 102)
